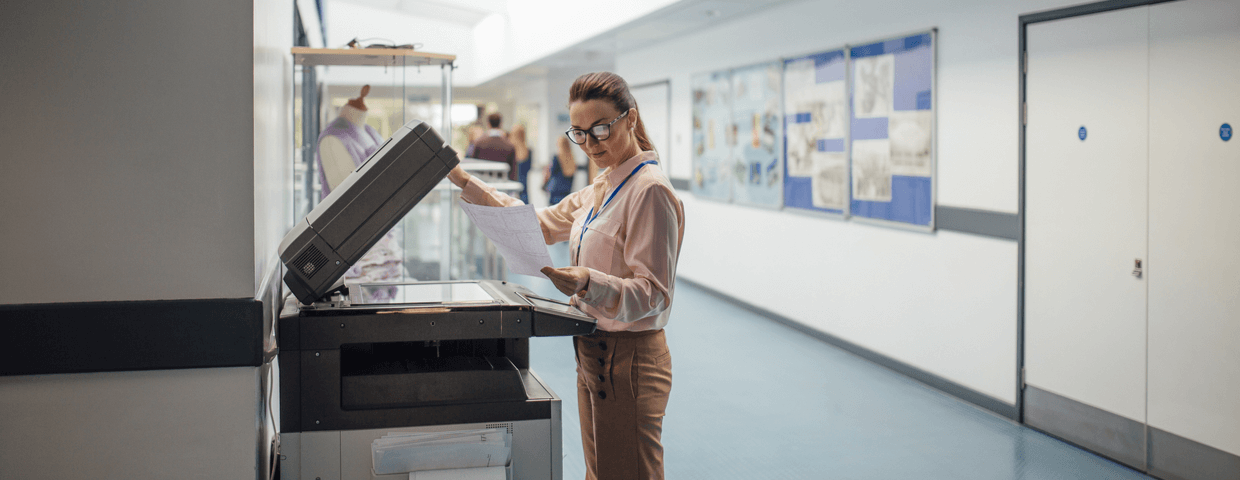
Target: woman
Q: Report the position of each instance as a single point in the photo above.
(624, 233)
(517, 137)
(559, 175)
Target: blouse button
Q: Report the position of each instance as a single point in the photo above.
(602, 394)
(601, 378)
(602, 345)
(602, 362)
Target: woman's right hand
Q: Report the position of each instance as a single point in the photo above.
(459, 177)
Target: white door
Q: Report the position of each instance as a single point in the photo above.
(1085, 223)
(1194, 215)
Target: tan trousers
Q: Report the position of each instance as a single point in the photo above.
(623, 382)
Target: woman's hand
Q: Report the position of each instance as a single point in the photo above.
(569, 280)
(458, 177)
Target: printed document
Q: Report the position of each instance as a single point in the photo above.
(516, 233)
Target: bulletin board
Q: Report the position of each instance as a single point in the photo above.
(713, 136)
(816, 125)
(892, 130)
(757, 154)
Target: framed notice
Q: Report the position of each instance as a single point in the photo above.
(816, 132)
(892, 130)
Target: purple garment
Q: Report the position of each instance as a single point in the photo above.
(361, 142)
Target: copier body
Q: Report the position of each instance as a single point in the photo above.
(355, 365)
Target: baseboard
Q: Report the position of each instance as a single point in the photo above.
(1110, 435)
(1172, 457)
(1149, 449)
(935, 381)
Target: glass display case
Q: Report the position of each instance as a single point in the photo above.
(435, 241)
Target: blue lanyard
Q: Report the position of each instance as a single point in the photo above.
(592, 215)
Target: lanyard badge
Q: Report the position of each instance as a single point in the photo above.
(593, 215)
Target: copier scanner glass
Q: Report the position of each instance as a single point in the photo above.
(422, 293)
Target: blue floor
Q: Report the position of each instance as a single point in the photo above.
(753, 399)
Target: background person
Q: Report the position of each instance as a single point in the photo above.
(494, 146)
(523, 155)
(558, 177)
(624, 234)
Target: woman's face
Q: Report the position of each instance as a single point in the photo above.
(620, 144)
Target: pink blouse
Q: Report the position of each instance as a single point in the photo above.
(631, 248)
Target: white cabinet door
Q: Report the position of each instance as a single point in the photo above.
(1194, 215)
(1085, 223)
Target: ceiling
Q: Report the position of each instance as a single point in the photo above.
(680, 18)
(463, 12)
(596, 52)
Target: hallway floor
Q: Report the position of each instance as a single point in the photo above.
(754, 399)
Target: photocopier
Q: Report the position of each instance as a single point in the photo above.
(361, 361)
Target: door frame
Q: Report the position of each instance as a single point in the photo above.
(1022, 61)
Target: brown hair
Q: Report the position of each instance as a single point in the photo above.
(517, 138)
(495, 119)
(568, 164)
(610, 87)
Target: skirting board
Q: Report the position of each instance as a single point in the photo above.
(1105, 433)
(951, 388)
(1159, 453)
(1173, 457)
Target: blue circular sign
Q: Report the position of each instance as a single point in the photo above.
(1224, 132)
(1081, 133)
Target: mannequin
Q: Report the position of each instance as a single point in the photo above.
(343, 146)
(346, 143)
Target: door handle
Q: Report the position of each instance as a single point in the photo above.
(1136, 270)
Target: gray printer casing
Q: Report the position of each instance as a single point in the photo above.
(351, 371)
(358, 212)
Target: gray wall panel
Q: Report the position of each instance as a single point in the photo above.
(1089, 427)
(128, 162)
(1173, 457)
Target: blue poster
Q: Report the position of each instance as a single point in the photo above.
(713, 136)
(816, 132)
(756, 158)
(892, 130)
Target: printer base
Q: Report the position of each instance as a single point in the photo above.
(537, 451)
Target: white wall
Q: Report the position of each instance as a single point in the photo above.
(944, 302)
(273, 133)
(130, 153)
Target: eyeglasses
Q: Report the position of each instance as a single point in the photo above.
(600, 132)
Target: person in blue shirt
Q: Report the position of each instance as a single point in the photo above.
(559, 176)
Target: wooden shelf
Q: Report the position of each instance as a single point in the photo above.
(379, 57)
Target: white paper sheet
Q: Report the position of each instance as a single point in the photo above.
(483, 473)
(412, 452)
(516, 234)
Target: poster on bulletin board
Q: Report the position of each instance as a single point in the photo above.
(816, 126)
(713, 136)
(892, 130)
(757, 169)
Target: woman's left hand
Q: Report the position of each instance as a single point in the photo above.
(569, 280)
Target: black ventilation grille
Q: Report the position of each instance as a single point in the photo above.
(310, 261)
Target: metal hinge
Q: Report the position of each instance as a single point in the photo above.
(1024, 113)
(1022, 378)
(1026, 62)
